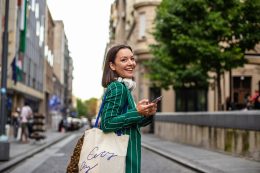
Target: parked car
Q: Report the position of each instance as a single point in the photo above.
(93, 121)
(74, 123)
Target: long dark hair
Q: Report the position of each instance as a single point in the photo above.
(108, 74)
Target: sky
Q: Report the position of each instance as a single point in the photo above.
(86, 24)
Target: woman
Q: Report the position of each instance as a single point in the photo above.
(118, 77)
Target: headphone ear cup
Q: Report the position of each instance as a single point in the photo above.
(134, 85)
(129, 83)
(119, 79)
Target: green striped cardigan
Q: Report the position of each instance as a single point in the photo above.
(113, 119)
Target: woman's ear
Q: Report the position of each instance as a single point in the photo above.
(112, 66)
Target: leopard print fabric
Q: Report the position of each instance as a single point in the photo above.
(74, 159)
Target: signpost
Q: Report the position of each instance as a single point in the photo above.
(4, 143)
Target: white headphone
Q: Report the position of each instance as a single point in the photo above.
(129, 83)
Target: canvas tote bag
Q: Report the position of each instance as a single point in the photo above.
(103, 152)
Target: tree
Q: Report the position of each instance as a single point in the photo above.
(196, 37)
(92, 107)
(81, 108)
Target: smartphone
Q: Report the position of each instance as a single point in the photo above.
(157, 99)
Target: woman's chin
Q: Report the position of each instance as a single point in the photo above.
(129, 77)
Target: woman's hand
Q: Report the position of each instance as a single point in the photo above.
(145, 108)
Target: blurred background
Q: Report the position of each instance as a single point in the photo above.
(202, 56)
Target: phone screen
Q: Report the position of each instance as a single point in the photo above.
(157, 99)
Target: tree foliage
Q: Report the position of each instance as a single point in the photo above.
(92, 106)
(194, 37)
(81, 108)
(87, 108)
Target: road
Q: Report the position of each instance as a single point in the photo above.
(55, 159)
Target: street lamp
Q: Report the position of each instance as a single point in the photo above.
(4, 144)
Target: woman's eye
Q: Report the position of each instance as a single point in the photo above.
(124, 60)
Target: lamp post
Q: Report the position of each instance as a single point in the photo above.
(4, 144)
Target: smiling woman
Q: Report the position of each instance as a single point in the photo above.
(120, 113)
(86, 47)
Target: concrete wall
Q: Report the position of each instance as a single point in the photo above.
(168, 101)
(236, 133)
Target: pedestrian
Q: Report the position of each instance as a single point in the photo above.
(26, 114)
(118, 79)
(257, 103)
(16, 121)
(256, 94)
(248, 105)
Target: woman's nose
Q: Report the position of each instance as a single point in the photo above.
(130, 62)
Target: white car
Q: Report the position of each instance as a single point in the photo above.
(93, 121)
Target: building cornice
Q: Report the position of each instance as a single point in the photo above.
(144, 4)
(19, 87)
(253, 58)
(142, 54)
(141, 51)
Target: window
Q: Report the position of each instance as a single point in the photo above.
(241, 88)
(142, 26)
(191, 100)
(28, 72)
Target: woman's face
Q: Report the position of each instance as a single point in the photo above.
(124, 63)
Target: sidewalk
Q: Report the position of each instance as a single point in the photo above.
(199, 159)
(19, 151)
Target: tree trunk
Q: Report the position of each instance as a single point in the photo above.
(219, 90)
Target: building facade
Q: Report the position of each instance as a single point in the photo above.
(131, 22)
(59, 57)
(48, 65)
(37, 48)
(59, 50)
(26, 53)
(68, 68)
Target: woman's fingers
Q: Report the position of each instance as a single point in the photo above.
(145, 108)
(143, 102)
(153, 109)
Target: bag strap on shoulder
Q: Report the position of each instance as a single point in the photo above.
(102, 106)
(99, 112)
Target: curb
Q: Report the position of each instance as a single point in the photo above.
(191, 164)
(22, 157)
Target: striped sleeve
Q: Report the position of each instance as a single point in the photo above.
(112, 119)
(145, 121)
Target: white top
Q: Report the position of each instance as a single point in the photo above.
(26, 112)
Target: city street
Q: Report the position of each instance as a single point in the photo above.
(63, 64)
(55, 158)
(158, 155)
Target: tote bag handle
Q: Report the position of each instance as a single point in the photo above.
(99, 112)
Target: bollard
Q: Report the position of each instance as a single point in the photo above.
(4, 150)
